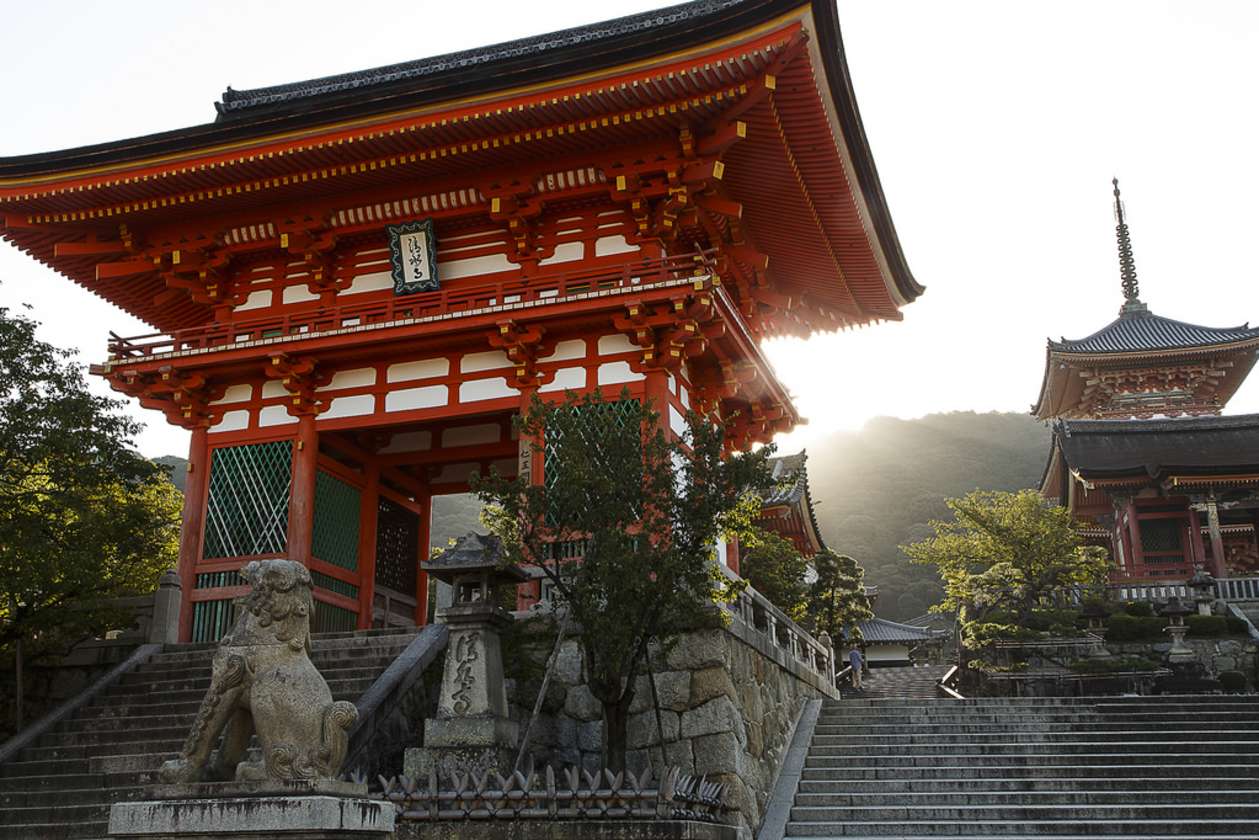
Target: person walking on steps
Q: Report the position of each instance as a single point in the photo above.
(856, 661)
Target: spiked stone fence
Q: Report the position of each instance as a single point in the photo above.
(571, 794)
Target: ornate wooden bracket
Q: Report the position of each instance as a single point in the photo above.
(301, 378)
(519, 211)
(672, 332)
(185, 398)
(316, 244)
(523, 346)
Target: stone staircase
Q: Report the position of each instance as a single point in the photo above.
(911, 681)
(1150, 767)
(63, 785)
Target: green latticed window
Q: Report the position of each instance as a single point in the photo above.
(332, 619)
(211, 620)
(247, 512)
(1160, 535)
(336, 527)
(595, 422)
(332, 584)
(397, 547)
(215, 580)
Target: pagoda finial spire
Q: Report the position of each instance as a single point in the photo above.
(1127, 267)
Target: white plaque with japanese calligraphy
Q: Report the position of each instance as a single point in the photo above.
(413, 254)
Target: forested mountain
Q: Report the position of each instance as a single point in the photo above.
(877, 488)
(874, 490)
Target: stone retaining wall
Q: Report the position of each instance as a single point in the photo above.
(728, 700)
(1233, 653)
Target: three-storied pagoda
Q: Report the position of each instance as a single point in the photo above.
(1140, 453)
(359, 280)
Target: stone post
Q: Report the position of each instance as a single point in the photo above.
(829, 644)
(164, 627)
(472, 730)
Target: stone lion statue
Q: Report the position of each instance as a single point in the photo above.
(263, 681)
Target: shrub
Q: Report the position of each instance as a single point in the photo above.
(1237, 626)
(1122, 627)
(1232, 680)
(1138, 609)
(1207, 626)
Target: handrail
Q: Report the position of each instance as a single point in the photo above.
(945, 684)
(445, 301)
(781, 631)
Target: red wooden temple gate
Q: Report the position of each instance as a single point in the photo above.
(359, 280)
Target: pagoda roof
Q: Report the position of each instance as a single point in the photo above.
(1137, 330)
(794, 494)
(597, 43)
(882, 631)
(1158, 449)
(804, 177)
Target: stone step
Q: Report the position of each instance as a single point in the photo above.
(1146, 759)
(101, 724)
(88, 751)
(1182, 829)
(97, 829)
(1023, 811)
(915, 800)
(917, 716)
(1032, 736)
(13, 769)
(143, 681)
(1247, 782)
(67, 796)
(998, 750)
(1093, 722)
(197, 687)
(94, 812)
(845, 770)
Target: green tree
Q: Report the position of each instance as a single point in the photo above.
(837, 597)
(1007, 552)
(773, 566)
(624, 527)
(83, 517)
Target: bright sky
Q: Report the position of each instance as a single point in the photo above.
(996, 127)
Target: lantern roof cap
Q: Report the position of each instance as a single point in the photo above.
(473, 553)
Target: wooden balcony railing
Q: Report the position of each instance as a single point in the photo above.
(459, 299)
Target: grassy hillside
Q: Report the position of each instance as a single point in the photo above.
(877, 488)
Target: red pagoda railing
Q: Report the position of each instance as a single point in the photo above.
(508, 293)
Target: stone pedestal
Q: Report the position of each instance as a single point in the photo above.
(471, 730)
(322, 810)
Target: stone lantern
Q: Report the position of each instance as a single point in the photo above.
(1202, 587)
(1095, 613)
(471, 730)
(1175, 611)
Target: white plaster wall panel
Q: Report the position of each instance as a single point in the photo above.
(472, 266)
(273, 388)
(256, 300)
(566, 378)
(275, 415)
(374, 282)
(421, 369)
(406, 399)
(232, 421)
(673, 384)
(609, 344)
(472, 435)
(356, 378)
(409, 442)
(489, 360)
(677, 422)
(574, 348)
(684, 397)
(723, 554)
(606, 246)
(234, 394)
(354, 406)
(486, 389)
(566, 252)
(456, 472)
(298, 294)
(610, 373)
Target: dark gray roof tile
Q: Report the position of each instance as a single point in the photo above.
(1142, 330)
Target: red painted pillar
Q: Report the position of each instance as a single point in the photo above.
(1134, 538)
(1196, 545)
(195, 489)
(425, 502)
(368, 514)
(302, 497)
